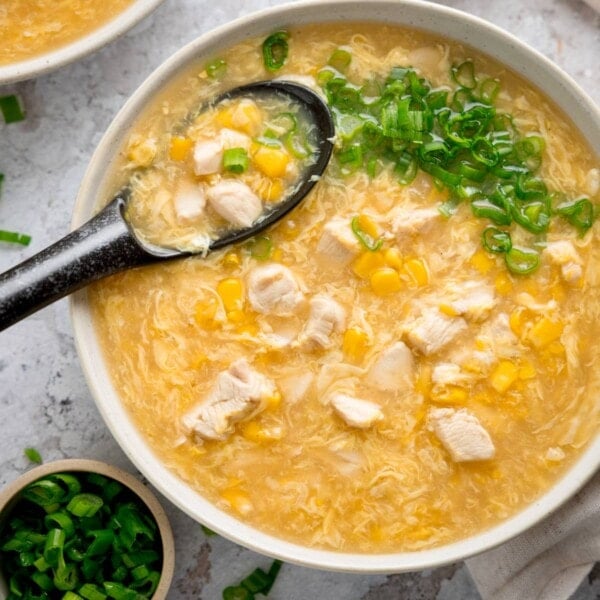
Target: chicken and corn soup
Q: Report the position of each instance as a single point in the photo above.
(407, 361)
(29, 28)
(226, 168)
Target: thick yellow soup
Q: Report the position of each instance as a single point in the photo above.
(408, 359)
(29, 28)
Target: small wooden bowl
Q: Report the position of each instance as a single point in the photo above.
(10, 495)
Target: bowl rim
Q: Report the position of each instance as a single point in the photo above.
(407, 13)
(10, 492)
(80, 47)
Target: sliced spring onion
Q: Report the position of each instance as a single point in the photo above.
(216, 68)
(340, 59)
(496, 240)
(85, 505)
(10, 107)
(237, 592)
(258, 582)
(275, 50)
(235, 160)
(33, 455)
(464, 75)
(261, 247)
(522, 261)
(488, 89)
(363, 237)
(580, 213)
(43, 492)
(13, 237)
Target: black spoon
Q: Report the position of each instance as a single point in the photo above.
(107, 244)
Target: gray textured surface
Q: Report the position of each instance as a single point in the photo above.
(44, 401)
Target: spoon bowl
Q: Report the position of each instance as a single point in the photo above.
(107, 243)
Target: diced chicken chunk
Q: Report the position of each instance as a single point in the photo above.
(433, 330)
(238, 393)
(412, 221)
(356, 412)
(208, 157)
(392, 369)
(337, 242)
(448, 374)
(326, 317)
(189, 203)
(230, 138)
(563, 254)
(235, 202)
(273, 289)
(497, 335)
(473, 300)
(462, 434)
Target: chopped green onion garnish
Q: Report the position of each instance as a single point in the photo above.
(464, 75)
(522, 261)
(13, 237)
(235, 160)
(580, 213)
(340, 59)
(275, 50)
(364, 238)
(85, 505)
(33, 455)
(10, 106)
(216, 69)
(258, 582)
(496, 240)
(261, 247)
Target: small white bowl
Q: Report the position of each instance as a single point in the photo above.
(44, 63)
(439, 20)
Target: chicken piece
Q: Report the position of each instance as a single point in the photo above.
(563, 254)
(208, 157)
(356, 412)
(235, 202)
(392, 369)
(189, 203)
(338, 244)
(474, 299)
(326, 317)
(497, 335)
(239, 392)
(462, 434)
(446, 373)
(407, 222)
(433, 330)
(230, 138)
(273, 289)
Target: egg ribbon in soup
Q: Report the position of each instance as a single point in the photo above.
(409, 362)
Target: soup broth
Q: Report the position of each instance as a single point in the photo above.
(401, 386)
(29, 28)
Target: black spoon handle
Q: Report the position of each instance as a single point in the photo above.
(102, 246)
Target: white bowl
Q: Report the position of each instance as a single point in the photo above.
(413, 13)
(39, 65)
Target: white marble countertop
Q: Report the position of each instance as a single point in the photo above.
(44, 401)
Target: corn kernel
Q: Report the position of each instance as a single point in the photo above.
(244, 115)
(446, 309)
(504, 375)
(515, 321)
(368, 262)
(238, 500)
(482, 262)
(366, 224)
(205, 312)
(270, 190)
(236, 316)
(231, 259)
(231, 292)
(271, 161)
(273, 401)
(503, 284)
(450, 394)
(385, 280)
(423, 381)
(544, 332)
(393, 258)
(180, 147)
(355, 344)
(417, 271)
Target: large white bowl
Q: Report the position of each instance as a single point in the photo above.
(413, 13)
(39, 65)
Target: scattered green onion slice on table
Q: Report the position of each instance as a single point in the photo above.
(258, 582)
(33, 455)
(275, 50)
(10, 107)
(13, 237)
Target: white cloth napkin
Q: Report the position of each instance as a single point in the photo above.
(549, 561)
